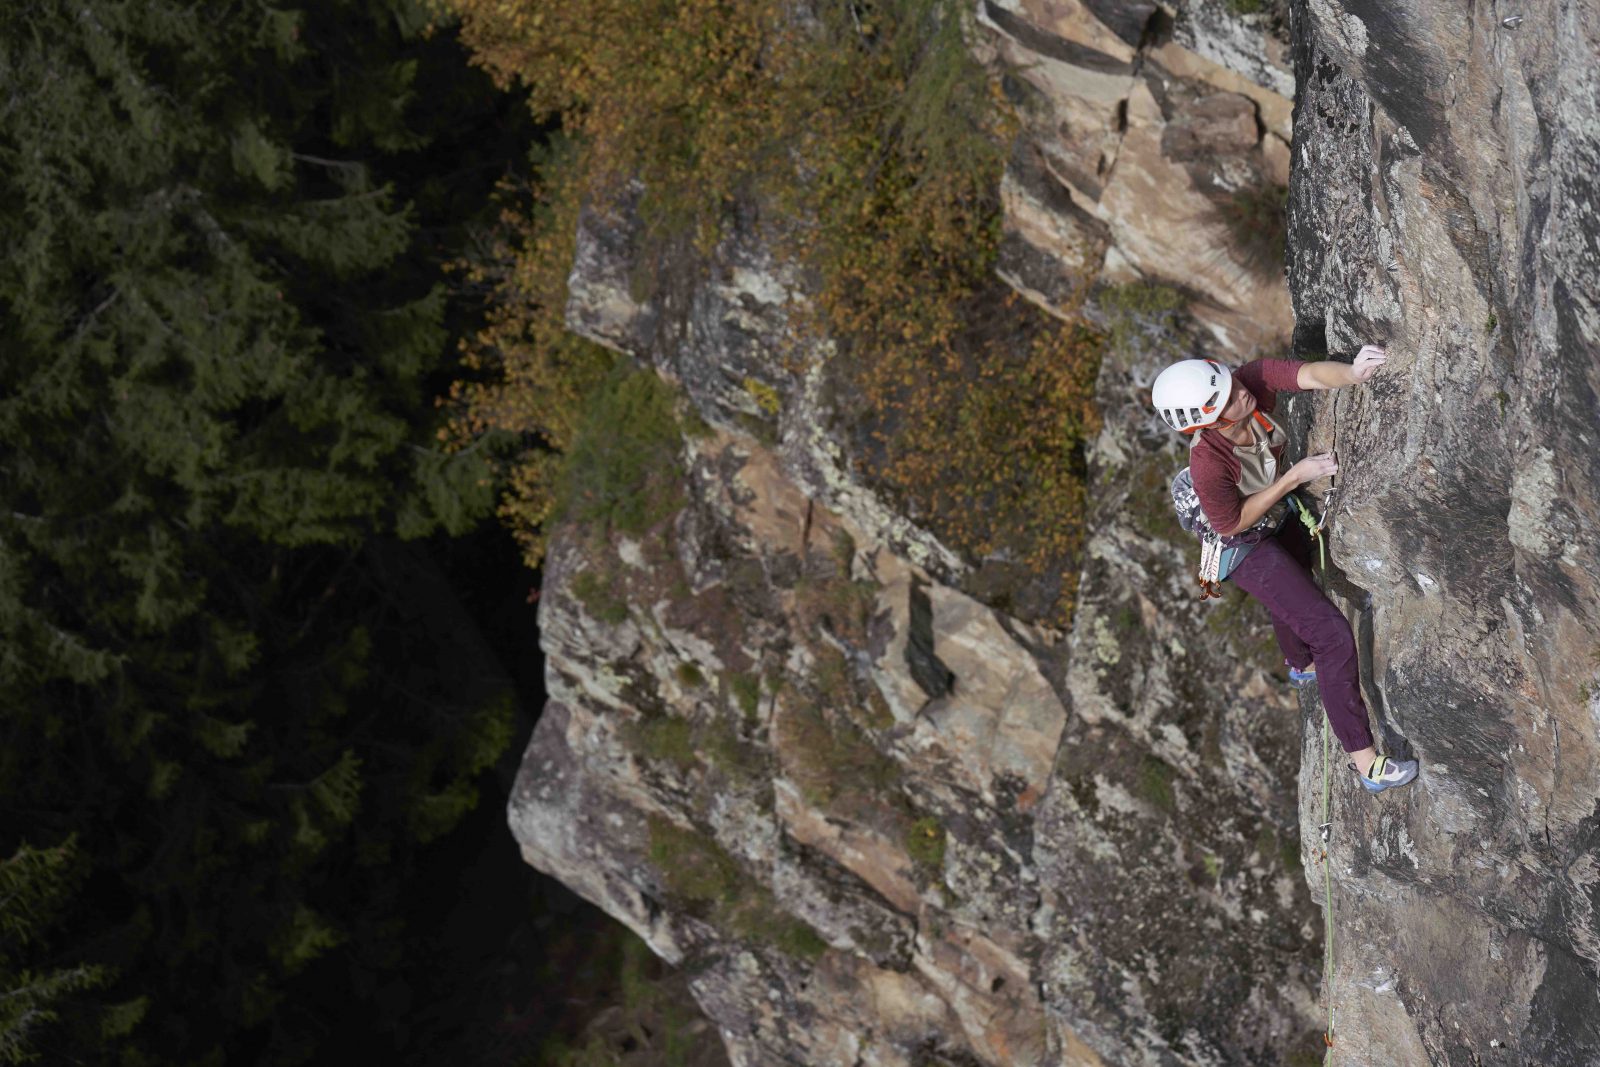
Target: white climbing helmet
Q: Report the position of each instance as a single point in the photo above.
(1192, 393)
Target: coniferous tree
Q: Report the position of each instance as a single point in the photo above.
(226, 681)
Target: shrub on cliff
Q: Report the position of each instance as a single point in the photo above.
(1258, 219)
(622, 470)
(877, 128)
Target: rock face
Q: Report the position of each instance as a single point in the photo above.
(1141, 131)
(1444, 201)
(922, 856)
(875, 820)
(878, 822)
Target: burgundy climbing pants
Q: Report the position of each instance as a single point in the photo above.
(1277, 572)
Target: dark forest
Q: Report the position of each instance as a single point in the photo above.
(267, 659)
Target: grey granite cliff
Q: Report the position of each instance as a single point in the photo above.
(878, 820)
(1444, 201)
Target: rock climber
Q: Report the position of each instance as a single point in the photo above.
(1234, 455)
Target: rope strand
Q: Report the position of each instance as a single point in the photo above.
(1327, 767)
(1327, 894)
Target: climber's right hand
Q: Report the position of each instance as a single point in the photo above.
(1311, 468)
(1367, 362)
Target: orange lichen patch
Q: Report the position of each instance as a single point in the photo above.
(1029, 796)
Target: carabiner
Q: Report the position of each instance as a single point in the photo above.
(1327, 496)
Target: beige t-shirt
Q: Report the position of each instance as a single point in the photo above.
(1258, 468)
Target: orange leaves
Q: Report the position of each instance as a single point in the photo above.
(883, 145)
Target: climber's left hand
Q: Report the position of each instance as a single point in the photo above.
(1367, 362)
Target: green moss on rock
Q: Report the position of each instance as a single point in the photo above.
(730, 754)
(844, 551)
(746, 690)
(702, 875)
(665, 738)
(843, 606)
(1155, 784)
(836, 766)
(600, 598)
(1236, 620)
(1144, 317)
(925, 842)
(1258, 218)
(693, 866)
(760, 919)
(1150, 503)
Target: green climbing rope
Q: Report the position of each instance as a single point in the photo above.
(1313, 527)
(1327, 895)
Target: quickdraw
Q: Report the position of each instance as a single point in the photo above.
(1314, 526)
(1210, 565)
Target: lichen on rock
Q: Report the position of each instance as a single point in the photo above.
(1450, 219)
(968, 834)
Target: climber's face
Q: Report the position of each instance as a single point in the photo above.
(1241, 402)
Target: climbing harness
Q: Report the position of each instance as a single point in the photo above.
(1219, 555)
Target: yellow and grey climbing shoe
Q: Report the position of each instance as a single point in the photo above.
(1387, 772)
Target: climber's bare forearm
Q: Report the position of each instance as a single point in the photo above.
(1325, 375)
(1254, 508)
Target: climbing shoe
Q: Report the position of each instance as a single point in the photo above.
(1301, 679)
(1386, 773)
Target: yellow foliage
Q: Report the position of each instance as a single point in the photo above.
(875, 129)
(665, 92)
(528, 374)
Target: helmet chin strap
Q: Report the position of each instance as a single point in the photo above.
(1227, 424)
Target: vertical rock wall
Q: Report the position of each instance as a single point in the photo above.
(1444, 201)
(1141, 124)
